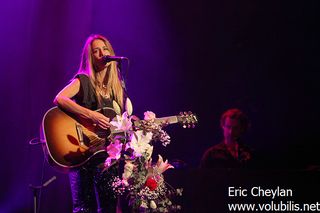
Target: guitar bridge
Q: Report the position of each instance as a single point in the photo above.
(80, 134)
(88, 140)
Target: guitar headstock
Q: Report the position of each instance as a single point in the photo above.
(187, 119)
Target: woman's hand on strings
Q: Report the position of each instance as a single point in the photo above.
(99, 120)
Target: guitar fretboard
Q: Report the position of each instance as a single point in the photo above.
(169, 120)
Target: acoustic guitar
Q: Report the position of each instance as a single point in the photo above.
(69, 142)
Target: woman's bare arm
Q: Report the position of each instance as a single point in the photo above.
(63, 100)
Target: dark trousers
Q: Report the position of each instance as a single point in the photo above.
(90, 188)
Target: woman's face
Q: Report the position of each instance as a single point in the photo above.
(99, 49)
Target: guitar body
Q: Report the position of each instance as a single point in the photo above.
(69, 142)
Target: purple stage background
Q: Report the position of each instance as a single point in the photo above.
(203, 56)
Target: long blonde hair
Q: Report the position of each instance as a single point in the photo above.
(113, 83)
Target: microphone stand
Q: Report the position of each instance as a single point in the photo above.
(120, 199)
(122, 77)
(36, 190)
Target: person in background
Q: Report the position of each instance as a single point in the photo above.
(231, 152)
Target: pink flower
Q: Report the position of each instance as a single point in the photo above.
(114, 152)
(159, 168)
(149, 116)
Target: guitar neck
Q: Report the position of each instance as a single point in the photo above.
(168, 120)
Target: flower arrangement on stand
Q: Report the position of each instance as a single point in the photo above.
(142, 180)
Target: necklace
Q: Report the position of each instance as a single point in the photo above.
(102, 89)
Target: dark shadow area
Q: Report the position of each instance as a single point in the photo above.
(218, 189)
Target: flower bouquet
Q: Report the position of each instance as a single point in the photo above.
(142, 180)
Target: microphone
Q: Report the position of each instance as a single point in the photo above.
(108, 58)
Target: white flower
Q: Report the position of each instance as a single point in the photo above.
(144, 205)
(122, 123)
(128, 106)
(149, 116)
(116, 107)
(139, 142)
(162, 166)
(153, 205)
(128, 168)
(149, 152)
(179, 191)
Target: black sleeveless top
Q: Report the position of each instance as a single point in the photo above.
(86, 96)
